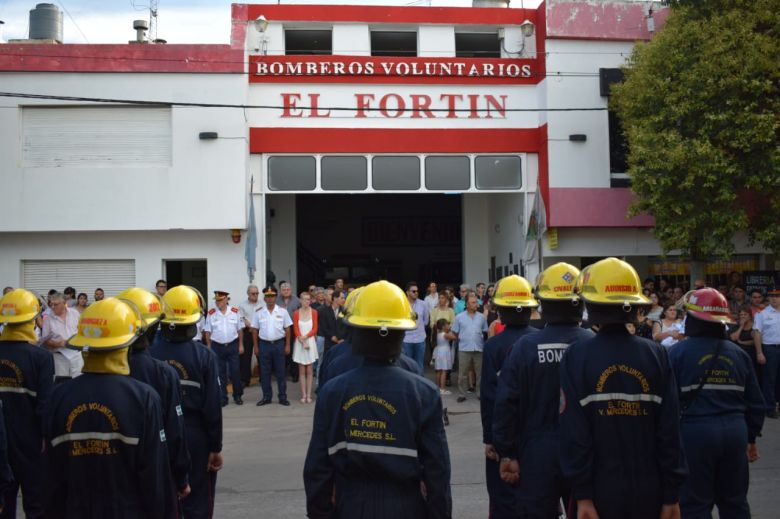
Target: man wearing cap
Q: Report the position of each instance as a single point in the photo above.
(246, 310)
(766, 334)
(222, 333)
(271, 339)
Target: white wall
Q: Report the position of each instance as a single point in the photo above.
(579, 164)
(351, 40)
(437, 41)
(476, 240)
(204, 188)
(226, 267)
(281, 238)
(506, 228)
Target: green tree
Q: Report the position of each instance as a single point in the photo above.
(700, 105)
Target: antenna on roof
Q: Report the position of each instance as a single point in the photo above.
(153, 20)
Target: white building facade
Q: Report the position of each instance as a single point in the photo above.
(396, 142)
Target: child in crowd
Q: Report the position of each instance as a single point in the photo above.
(442, 355)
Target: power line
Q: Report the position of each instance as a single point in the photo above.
(269, 107)
(74, 21)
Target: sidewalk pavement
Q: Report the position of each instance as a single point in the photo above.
(265, 447)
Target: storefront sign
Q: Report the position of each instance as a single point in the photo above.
(762, 280)
(393, 106)
(365, 69)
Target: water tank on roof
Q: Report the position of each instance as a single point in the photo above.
(46, 23)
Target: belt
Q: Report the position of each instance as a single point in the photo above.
(224, 343)
(272, 341)
(772, 345)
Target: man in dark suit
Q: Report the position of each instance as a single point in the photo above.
(330, 321)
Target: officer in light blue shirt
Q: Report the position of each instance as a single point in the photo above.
(766, 334)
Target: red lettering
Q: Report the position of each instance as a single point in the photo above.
(473, 98)
(314, 101)
(451, 98)
(400, 105)
(421, 103)
(363, 104)
(499, 107)
(289, 103)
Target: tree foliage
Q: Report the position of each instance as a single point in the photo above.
(701, 109)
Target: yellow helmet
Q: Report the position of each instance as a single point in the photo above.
(556, 282)
(350, 301)
(381, 305)
(612, 282)
(186, 305)
(514, 292)
(110, 324)
(19, 306)
(150, 305)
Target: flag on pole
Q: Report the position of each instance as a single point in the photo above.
(250, 249)
(537, 220)
(537, 226)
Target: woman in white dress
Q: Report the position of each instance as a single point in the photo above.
(305, 349)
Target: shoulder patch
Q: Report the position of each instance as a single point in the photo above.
(212, 311)
(234, 309)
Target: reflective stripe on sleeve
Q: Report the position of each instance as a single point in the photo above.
(21, 390)
(716, 387)
(190, 383)
(374, 449)
(94, 436)
(603, 397)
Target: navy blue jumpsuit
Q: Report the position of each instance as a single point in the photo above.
(527, 411)
(502, 496)
(620, 428)
(378, 435)
(26, 381)
(106, 451)
(726, 415)
(345, 361)
(197, 368)
(163, 378)
(6, 476)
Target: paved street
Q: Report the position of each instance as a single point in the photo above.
(265, 449)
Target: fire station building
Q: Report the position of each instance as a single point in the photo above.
(396, 142)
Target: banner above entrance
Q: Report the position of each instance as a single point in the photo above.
(365, 69)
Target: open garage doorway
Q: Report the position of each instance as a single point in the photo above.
(362, 238)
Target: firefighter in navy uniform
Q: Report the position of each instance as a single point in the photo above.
(197, 368)
(722, 410)
(26, 381)
(514, 301)
(104, 432)
(163, 378)
(620, 446)
(6, 476)
(378, 448)
(525, 427)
